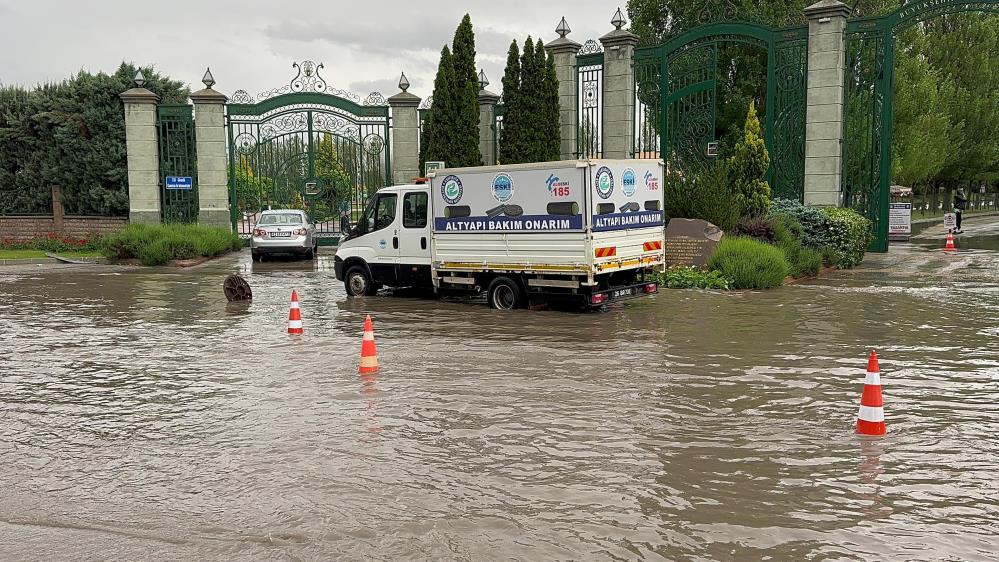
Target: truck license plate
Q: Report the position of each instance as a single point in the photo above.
(630, 292)
(281, 234)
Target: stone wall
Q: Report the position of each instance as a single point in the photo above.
(22, 228)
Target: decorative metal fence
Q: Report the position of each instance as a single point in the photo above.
(178, 158)
(589, 93)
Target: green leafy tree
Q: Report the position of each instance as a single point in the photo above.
(511, 141)
(748, 165)
(71, 134)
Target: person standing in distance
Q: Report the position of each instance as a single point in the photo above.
(960, 204)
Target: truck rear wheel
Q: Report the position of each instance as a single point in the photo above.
(358, 283)
(504, 293)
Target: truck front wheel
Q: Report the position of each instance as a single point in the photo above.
(358, 283)
(505, 294)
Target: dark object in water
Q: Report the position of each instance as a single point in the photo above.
(236, 289)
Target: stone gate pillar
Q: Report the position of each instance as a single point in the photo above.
(619, 90)
(209, 134)
(564, 51)
(824, 102)
(142, 152)
(405, 134)
(487, 121)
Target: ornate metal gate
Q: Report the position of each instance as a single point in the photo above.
(307, 146)
(676, 85)
(178, 157)
(867, 111)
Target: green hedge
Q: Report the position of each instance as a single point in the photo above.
(749, 263)
(158, 244)
(850, 234)
(683, 277)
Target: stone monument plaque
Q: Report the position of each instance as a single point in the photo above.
(691, 242)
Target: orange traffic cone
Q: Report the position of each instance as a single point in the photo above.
(949, 247)
(871, 420)
(295, 315)
(369, 355)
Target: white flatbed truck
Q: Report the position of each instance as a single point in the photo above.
(587, 231)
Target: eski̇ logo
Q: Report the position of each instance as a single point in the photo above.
(628, 182)
(502, 187)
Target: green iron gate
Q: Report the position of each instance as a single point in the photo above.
(178, 158)
(676, 88)
(867, 111)
(306, 146)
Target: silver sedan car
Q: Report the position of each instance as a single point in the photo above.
(283, 231)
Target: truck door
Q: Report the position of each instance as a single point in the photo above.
(414, 238)
(381, 225)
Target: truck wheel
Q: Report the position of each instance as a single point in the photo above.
(505, 294)
(358, 283)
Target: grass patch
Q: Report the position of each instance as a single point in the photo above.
(684, 277)
(158, 244)
(749, 263)
(20, 254)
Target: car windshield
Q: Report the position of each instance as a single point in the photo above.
(281, 218)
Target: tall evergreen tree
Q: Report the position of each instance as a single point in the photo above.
(466, 98)
(440, 138)
(748, 166)
(511, 140)
(530, 98)
(550, 123)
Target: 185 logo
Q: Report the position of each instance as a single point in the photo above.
(651, 182)
(557, 187)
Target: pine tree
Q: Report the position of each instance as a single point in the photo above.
(466, 98)
(747, 167)
(440, 138)
(511, 138)
(550, 124)
(530, 93)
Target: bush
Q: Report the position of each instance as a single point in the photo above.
(707, 196)
(850, 235)
(750, 264)
(158, 244)
(814, 223)
(683, 277)
(761, 228)
(54, 243)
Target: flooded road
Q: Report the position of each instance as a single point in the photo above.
(143, 418)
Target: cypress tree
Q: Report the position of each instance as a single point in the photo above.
(530, 91)
(466, 98)
(440, 138)
(510, 140)
(550, 124)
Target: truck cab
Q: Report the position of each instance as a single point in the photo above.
(390, 244)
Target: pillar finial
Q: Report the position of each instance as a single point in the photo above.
(140, 80)
(618, 20)
(563, 28)
(208, 80)
(403, 82)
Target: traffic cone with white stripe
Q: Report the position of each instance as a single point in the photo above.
(949, 247)
(369, 355)
(871, 420)
(295, 315)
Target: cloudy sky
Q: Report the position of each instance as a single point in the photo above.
(251, 45)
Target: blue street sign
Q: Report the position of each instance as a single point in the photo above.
(179, 182)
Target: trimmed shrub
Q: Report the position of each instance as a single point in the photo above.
(707, 196)
(748, 165)
(158, 244)
(814, 223)
(683, 277)
(750, 264)
(761, 228)
(850, 235)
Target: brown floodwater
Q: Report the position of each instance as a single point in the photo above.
(143, 418)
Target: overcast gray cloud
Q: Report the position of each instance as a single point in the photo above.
(251, 44)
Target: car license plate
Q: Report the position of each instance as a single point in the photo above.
(280, 234)
(629, 292)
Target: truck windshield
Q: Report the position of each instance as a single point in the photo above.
(379, 214)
